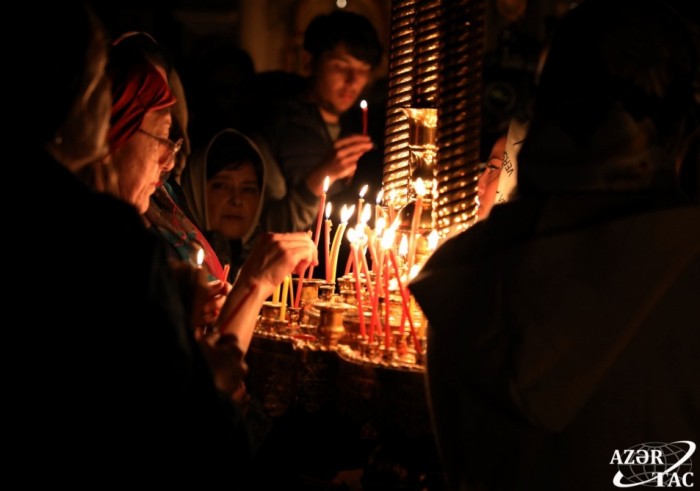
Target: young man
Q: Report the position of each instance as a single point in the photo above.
(304, 135)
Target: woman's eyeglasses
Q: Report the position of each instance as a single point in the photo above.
(173, 147)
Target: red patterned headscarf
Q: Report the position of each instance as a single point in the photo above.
(138, 87)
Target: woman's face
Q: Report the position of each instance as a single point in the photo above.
(144, 158)
(488, 181)
(233, 196)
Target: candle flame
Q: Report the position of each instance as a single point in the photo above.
(403, 246)
(352, 235)
(200, 257)
(433, 238)
(360, 234)
(388, 239)
(380, 195)
(326, 184)
(414, 271)
(395, 224)
(363, 191)
(379, 226)
(419, 187)
(346, 213)
(366, 214)
(328, 210)
(363, 104)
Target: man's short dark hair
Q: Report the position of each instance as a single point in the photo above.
(352, 30)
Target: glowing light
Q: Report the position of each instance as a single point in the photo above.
(433, 239)
(346, 213)
(328, 210)
(366, 214)
(419, 187)
(363, 190)
(403, 246)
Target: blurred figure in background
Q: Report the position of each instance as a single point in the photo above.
(564, 327)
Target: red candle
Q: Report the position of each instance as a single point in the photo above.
(363, 105)
(405, 301)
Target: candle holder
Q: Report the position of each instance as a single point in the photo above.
(280, 326)
(269, 313)
(293, 317)
(330, 328)
(346, 282)
(326, 291)
(308, 331)
(351, 323)
(309, 291)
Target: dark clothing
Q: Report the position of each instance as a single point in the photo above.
(295, 137)
(115, 388)
(561, 329)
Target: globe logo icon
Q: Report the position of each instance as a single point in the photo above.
(669, 461)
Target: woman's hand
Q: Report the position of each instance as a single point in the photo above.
(214, 294)
(275, 256)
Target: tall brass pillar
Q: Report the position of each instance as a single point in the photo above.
(459, 113)
(435, 61)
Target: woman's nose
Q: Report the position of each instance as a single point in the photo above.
(234, 197)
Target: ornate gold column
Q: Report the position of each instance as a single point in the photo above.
(435, 62)
(459, 113)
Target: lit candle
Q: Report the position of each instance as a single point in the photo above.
(200, 257)
(361, 203)
(377, 267)
(378, 212)
(371, 290)
(415, 223)
(345, 214)
(327, 241)
(322, 205)
(352, 237)
(285, 294)
(363, 105)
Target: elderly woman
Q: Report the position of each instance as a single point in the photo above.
(142, 152)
